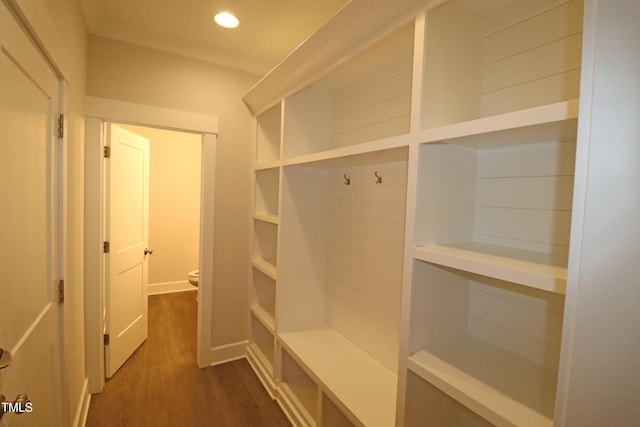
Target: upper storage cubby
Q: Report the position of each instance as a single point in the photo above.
(486, 58)
(367, 98)
(502, 211)
(269, 135)
(266, 195)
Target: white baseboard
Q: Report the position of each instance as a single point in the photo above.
(170, 287)
(82, 411)
(228, 353)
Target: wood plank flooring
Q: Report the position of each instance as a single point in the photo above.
(161, 385)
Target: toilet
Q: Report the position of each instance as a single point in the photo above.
(194, 277)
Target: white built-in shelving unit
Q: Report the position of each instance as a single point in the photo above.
(413, 207)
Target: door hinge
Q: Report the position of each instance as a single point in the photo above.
(60, 125)
(107, 151)
(106, 339)
(60, 291)
(106, 247)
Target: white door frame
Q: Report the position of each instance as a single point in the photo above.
(99, 111)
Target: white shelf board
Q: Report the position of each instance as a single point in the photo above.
(267, 266)
(384, 144)
(264, 317)
(528, 268)
(267, 165)
(364, 386)
(550, 122)
(272, 219)
(487, 402)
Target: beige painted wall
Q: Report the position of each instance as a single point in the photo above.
(174, 203)
(69, 22)
(129, 73)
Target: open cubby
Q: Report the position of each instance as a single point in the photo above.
(340, 275)
(265, 247)
(488, 58)
(498, 210)
(264, 297)
(366, 98)
(262, 340)
(300, 389)
(266, 193)
(342, 249)
(491, 345)
(332, 416)
(269, 135)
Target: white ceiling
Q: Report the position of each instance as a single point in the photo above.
(268, 31)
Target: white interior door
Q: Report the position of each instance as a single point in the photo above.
(127, 232)
(29, 232)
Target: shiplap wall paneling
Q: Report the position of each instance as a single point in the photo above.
(371, 98)
(510, 201)
(364, 256)
(482, 61)
(267, 200)
(491, 345)
(269, 135)
(307, 122)
(524, 197)
(367, 98)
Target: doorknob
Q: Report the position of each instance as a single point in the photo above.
(148, 251)
(5, 358)
(19, 406)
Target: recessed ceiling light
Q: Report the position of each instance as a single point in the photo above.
(227, 20)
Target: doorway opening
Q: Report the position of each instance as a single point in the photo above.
(152, 226)
(101, 111)
(174, 207)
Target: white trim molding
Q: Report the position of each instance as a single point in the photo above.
(112, 110)
(228, 353)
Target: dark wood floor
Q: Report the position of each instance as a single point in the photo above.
(161, 385)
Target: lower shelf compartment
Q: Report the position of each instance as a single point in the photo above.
(427, 406)
(477, 395)
(493, 346)
(363, 386)
(299, 388)
(332, 416)
(262, 344)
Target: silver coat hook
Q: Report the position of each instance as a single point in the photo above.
(347, 180)
(378, 178)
